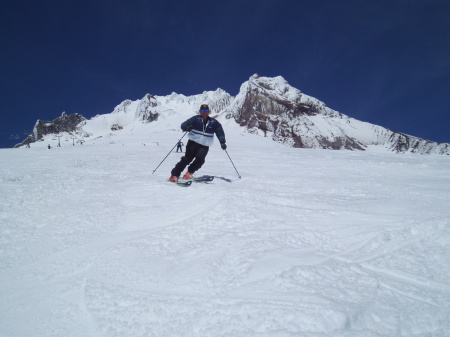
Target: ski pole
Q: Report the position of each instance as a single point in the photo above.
(169, 152)
(233, 164)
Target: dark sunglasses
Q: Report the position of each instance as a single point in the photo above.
(204, 110)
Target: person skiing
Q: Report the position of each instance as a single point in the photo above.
(179, 146)
(201, 130)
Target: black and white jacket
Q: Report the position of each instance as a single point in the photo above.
(203, 133)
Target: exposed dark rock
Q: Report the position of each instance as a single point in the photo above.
(145, 111)
(64, 123)
(116, 127)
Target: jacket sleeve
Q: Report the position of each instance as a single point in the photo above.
(220, 133)
(186, 123)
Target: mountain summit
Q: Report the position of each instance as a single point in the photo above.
(266, 106)
(272, 108)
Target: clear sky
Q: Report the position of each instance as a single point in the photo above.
(385, 62)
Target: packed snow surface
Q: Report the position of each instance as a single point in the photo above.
(307, 243)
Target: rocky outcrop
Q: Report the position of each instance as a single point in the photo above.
(64, 123)
(146, 111)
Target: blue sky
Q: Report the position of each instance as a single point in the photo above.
(383, 62)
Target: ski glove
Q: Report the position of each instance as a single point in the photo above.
(223, 146)
(189, 127)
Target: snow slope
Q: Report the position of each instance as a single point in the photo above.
(307, 243)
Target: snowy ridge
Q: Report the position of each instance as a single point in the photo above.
(333, 244)
(269, 107)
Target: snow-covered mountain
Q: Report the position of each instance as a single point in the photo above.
(266, 106)
(273, 108)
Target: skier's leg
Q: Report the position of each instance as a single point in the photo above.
(185, 160)
(199, 159)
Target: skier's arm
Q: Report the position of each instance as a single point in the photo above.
(220, 134)
(188, 125)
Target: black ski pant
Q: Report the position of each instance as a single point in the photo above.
(195, 153)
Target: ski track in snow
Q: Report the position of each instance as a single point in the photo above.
(307, 243)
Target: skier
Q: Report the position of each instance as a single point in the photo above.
(201, 130)
(179, 146)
